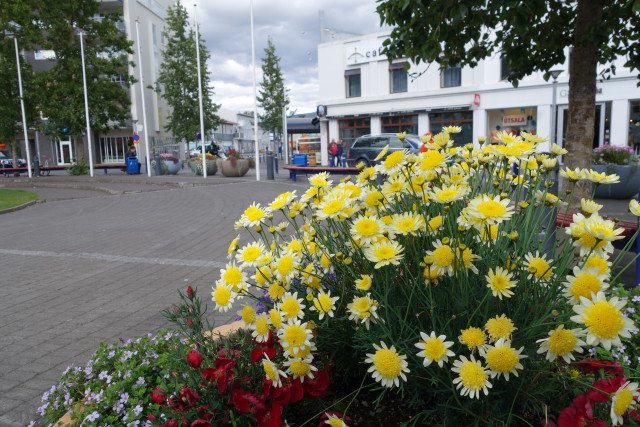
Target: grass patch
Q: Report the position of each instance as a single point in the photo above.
(12, 198)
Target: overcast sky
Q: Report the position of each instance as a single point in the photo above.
(294, 27)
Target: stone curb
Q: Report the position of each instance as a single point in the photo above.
(19, 207)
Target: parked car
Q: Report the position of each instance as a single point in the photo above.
(6, 160)
(366, 148)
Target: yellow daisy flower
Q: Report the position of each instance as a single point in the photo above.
(584, 283)
(563, 343)
(472, 379)
(387, 365)
(434, 349)
(500, 283)
(502, 359)
(384, 253)
(623, 400)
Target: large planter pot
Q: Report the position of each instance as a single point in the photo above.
(169, 167)
(212, 168)
(628, 186)
(233, 169)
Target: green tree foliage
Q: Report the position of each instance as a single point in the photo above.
(106, 55)
(272, 91)
(178, 78)
(532, 35)
(22, 14)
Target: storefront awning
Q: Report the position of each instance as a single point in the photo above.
(296, 125)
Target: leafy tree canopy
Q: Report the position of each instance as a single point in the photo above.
(178, 78)
(272, 91)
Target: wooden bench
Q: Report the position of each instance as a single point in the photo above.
(103, 166)
(564, 219)
(295, 169)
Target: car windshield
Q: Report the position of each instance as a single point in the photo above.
(414, 141)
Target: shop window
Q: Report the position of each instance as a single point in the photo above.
(398, 77)
(504, 68)
(113, 149)
(511, 120)
(634, 124)
(400, 123)
(451, 77)
(351, 129)
(352, 82)
(462, 118)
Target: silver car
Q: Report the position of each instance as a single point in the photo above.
(366, 148)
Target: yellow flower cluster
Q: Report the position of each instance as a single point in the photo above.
(488, 297)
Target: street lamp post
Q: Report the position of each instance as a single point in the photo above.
(86, 103)
(255, 99)
(24, 114)
(144, 109)
(204, 154)
(284, 132)
(554, 113)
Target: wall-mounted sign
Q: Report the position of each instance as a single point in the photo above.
(476, 99)
(364, 51)
(565, 92)
(514, 120)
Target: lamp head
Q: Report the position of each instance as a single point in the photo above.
(555, 73)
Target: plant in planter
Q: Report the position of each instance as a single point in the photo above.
(196, 164)
(425, 280)
(171, 164)
(234, 165)
(622, 161)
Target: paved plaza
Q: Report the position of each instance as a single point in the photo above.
(98, 261)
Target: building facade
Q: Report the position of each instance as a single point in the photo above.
(236, 131)
(112, 146)
(365, 94)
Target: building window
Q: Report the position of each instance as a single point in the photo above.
(451, 77)
(504, 68)
(351, 129)
(399, 123)
(113, 149)
(634, 124)
(41, 55)
(398, 78)
(462, 118)
(512, 120)
(352, 80)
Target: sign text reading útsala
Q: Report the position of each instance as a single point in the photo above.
(516, 119)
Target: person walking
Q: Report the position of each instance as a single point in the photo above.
(333, 152)
(340, 155)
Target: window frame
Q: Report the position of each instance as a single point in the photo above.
(504, 69)
(351, 73)
(450, 70)
(393, 68)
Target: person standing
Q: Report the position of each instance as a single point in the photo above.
(340, 155)
(333, 152)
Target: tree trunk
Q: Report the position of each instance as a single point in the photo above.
(79, 148)
(583, 65)
(14, 156)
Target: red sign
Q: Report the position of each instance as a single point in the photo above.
(3, 145)
(476, 99)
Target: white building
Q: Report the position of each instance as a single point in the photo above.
(236, 130)
(364, 94)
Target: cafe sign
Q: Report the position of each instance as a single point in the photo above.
(514, 120)
(364, 51)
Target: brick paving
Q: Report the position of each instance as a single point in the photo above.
(101, 265)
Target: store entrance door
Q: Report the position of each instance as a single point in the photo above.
(599, 125)
(65, 154)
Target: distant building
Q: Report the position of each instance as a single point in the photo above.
(112, 146)
(236, 131)
(364, 94)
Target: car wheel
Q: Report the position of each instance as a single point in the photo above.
(362, 160)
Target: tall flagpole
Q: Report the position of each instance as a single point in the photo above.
(255, 99)
(86, 103)
(204, 155)
(144, 108)
(24, 114)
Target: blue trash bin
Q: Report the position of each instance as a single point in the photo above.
(300, 160)
(133, 166)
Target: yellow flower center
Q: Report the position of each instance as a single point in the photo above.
(447, 194)
(473, 337)
(294, 335)
(275, 317)
(323, 303)
(499, 282)
(248, 314)
(299, 368)
(251, 253)
(262, 326)
(254, 213)
(364, 283)
(367, 227)
(384, 252)
(431, 160)
(285, 265)
(540, 268)
(491, 209)
(406, 224)
(275, 291)
(603, 319)
(290, 307)
(374, 199)
(387, 363)
(624, 399)
(232, 276)
(501, 359)
(362, 306)
(500, 327)
(434, 349)
(598, 262)
(435, 222)
(472, 375)
(393, 159)
(333, 206)
(584, 285)
(269, 370)
(443, 256)
(562, 341)
(222, 296)
(334, 422)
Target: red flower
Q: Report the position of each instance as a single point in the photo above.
(270, 417)
(258, 352)
(590, 366)
(244, 401)
(172, 423)
(576, 414)
(158, 396)
(317, 386)
(151, 417)
(189, 395)
(200, 423)
(189, 321)
(194, 359)
(602, 389)
(189, 291)
(297, 391)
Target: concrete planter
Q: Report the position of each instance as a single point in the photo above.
(196, 166)
(169, 167)
(628, 186)
(234, 169)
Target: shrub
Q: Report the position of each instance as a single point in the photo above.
(614, 155)
(436, 277)
(78, 168)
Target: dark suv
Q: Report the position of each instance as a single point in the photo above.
(366, 148)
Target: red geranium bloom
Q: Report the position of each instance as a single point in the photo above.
(189, 291)
(258, 353)
(200, 423)
(297, 390)
(158, 396)
(189, 395)
(270, 417)
(244, 401)
(194, 359)
(590, 366)
(172, 423)
(317, 386)
(602, 389)
(577, 414)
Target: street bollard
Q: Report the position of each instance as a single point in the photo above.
(270, 163)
